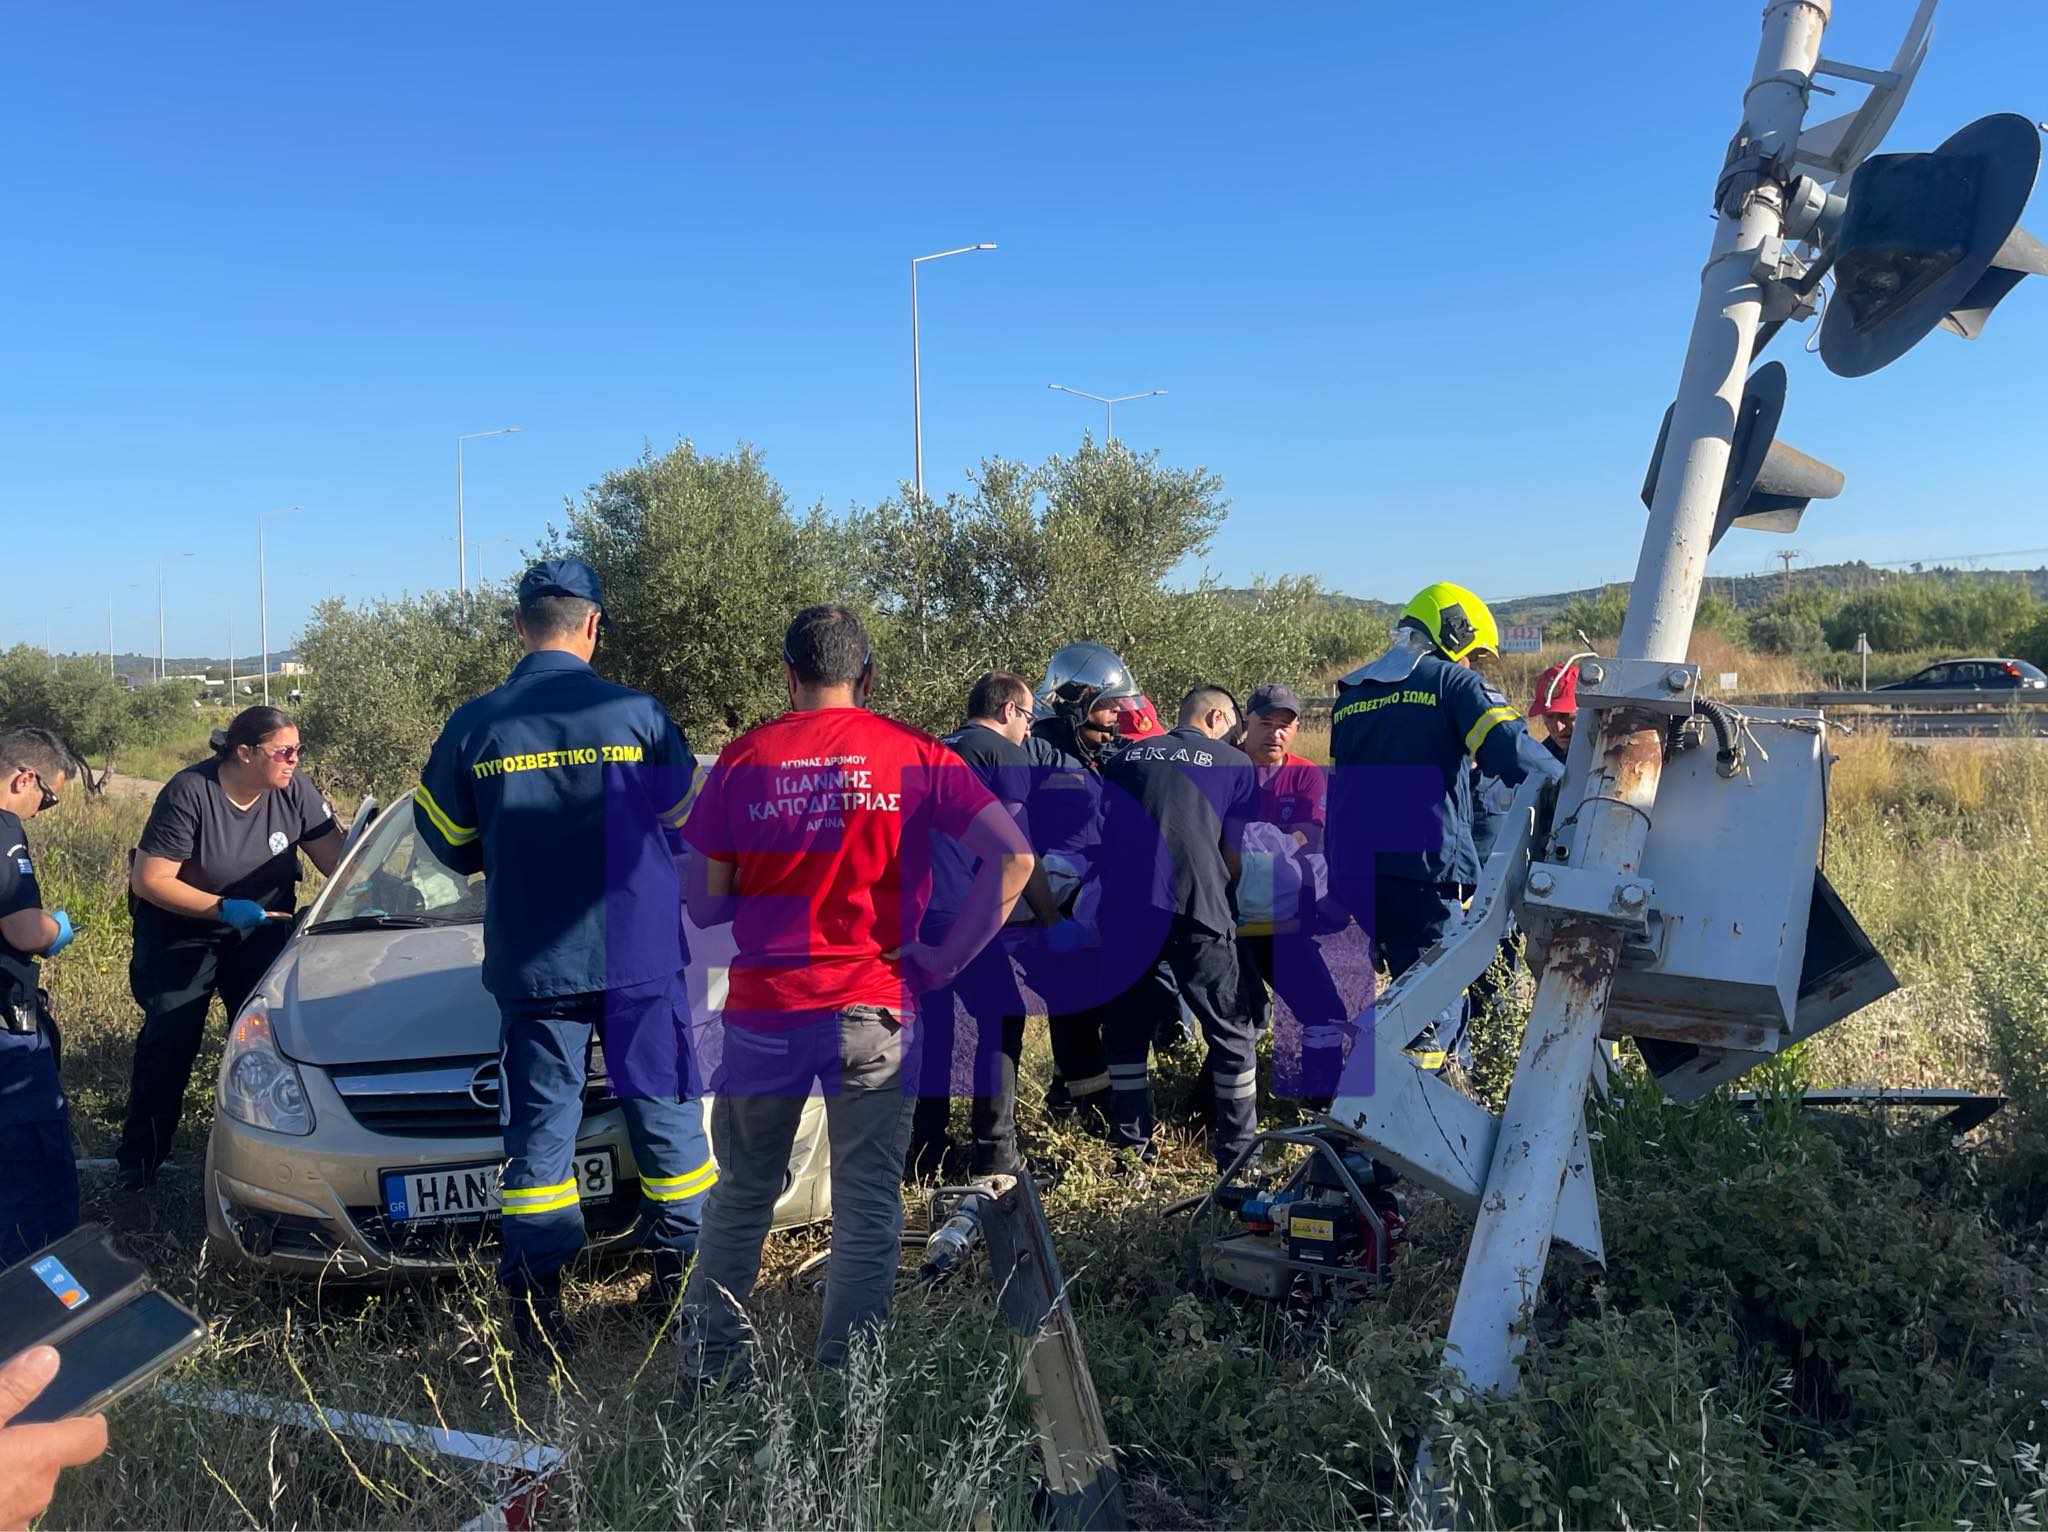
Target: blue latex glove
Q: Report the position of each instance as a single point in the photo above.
(64, 933)
(245, 915)
(1065, 937)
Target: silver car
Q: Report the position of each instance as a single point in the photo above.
(355, 1126)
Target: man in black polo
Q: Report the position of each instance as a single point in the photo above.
(1176, 806)
(992, 745)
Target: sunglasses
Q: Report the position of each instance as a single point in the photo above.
(49, 800)
(281, 754)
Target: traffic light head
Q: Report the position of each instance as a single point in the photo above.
(1930, 239)
(1768, 484)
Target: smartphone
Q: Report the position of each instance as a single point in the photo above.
(95, 1303)
(105, 1362)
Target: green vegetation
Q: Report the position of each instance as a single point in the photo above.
(95, 714)
(1806, 1320)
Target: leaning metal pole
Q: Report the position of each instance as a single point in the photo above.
(1546, 1103)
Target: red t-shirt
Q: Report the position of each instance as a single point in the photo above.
(828, 817)
(1292, 795)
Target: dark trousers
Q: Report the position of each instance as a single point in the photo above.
(986, 989)
(1404, 919)
(177, 967)
(1292, 963)
(1199, 966)
(1080, 1067)
(39, 1189)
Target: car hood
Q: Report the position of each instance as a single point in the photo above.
(372, 997)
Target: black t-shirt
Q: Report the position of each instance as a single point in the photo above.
(1006, 771)
(236, 853)
(1195, 793)
(18, 887)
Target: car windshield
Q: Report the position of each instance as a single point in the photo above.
(2032, 672)
(397, 877)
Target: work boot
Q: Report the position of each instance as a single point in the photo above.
(538, 1324)
(671, 1267)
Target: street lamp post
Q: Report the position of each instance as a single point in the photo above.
(461, 534)
(263, 595)
(916, 376)
(161, 674)
(110, 623)
(1108, 405)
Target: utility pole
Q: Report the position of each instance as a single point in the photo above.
(110, 624)
(263, 595)
(1546, 1103)
(461, 535)
(1108, 405)
(1785, 557)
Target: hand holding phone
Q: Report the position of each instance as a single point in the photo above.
(32, 1456)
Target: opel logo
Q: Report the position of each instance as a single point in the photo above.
(483, 1085)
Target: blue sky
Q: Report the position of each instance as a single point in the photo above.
(1418, 294)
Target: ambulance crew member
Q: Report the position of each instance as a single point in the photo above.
(1402, 730)
(39, 1192)
(213, 881)
(1176, 809)
(565, 790)
(814, 832)
(991, 743)
(1281, 949)
(1081, 712)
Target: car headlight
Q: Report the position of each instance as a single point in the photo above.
(259, 1085)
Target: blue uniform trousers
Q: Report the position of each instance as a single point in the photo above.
(1405, 919)
(1200, 966)
(39, 1193)
(544, 1058)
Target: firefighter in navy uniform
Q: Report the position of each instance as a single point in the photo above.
(567, 791)
(39, 1193)
(1402, 731)
(1077, 703)
(1175, 825)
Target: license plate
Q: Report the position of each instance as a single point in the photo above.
(441, 1192)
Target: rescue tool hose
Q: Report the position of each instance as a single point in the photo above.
(1727, 726)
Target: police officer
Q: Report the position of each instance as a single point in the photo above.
(1176, 812)
(211, 887)
(1401, 733)
(1078, 703)
(39, 1192)
(566, 790)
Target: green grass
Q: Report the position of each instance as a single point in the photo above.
(1805, 1320)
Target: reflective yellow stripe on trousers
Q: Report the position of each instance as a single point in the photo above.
(676, 1188)
(539, 1199)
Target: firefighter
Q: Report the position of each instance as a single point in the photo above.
(1402, 732)
(1079, 702)
(567, 791)
(1176, 818)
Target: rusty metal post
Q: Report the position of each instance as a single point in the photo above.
(1546, 1103)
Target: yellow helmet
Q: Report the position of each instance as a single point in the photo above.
(1456, 621)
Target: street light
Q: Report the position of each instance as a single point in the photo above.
(167, 559)
(263, 595)
(916, 379)
(137, 585)
(1108, 405)
(461, 537)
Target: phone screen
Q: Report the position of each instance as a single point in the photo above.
(104, 1361)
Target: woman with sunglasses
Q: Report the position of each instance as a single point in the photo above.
(212, 884)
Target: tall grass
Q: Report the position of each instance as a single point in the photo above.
(1804, 1321)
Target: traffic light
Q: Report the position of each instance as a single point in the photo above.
(1768, 483)
(1927, 240)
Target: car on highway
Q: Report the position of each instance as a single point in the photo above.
(1984, 675)
(356, 1113)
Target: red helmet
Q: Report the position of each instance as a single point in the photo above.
(1136, 718)
(1557, 691)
